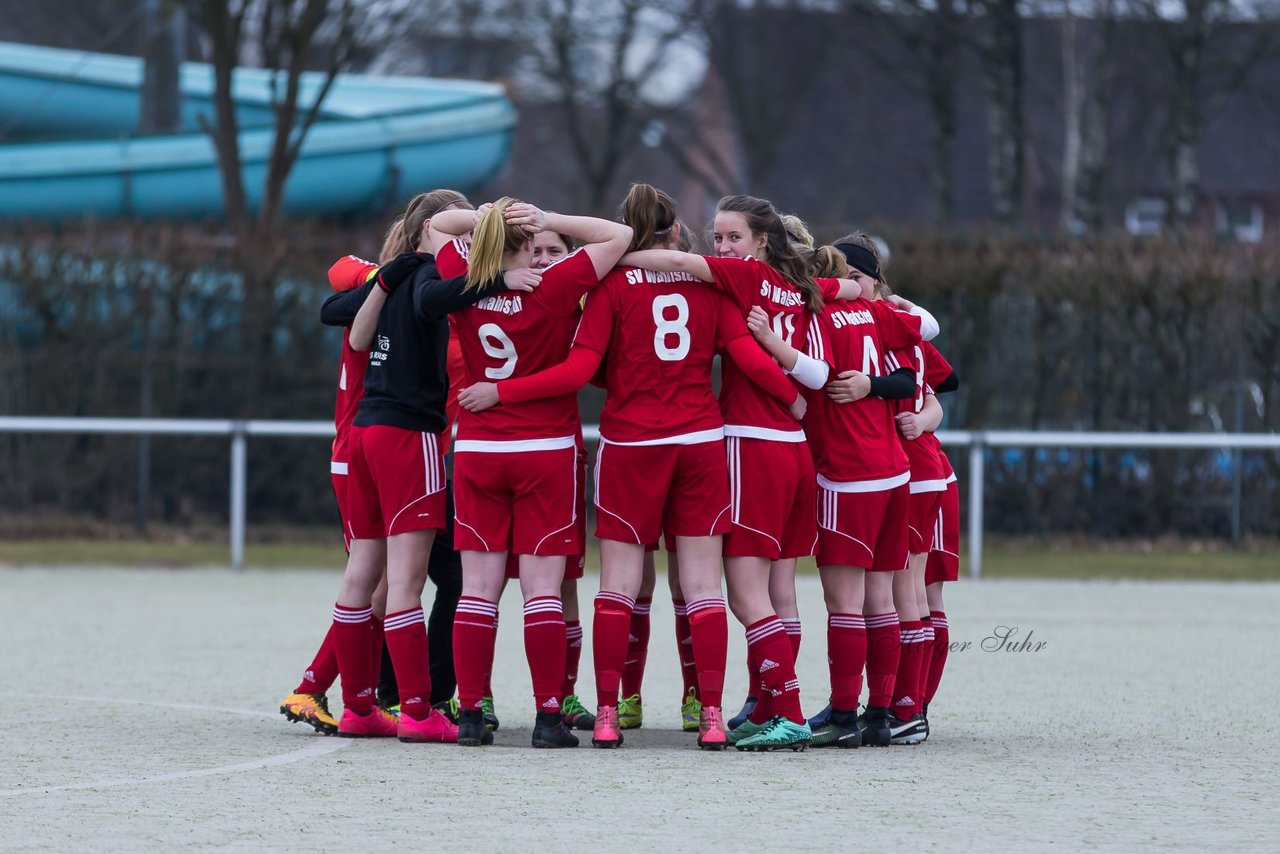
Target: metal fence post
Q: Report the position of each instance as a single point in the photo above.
(977, 461)
(239, 464)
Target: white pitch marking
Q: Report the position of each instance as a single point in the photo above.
(313, 750)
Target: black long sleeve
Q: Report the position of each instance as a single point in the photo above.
(340, 309)
(435, 298)
(899, 385)
(951, 383)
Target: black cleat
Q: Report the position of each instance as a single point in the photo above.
(840, 730)
(911, 731)
(471, 729)
(925, 714)
(748, 706)
(874, 723)
(549, 730)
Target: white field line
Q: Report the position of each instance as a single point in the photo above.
(320, 748)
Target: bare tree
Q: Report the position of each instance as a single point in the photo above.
(288, 37)
(1089, 71)
(600, 62)
(1000, 54)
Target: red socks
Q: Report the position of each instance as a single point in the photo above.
(684, 647)
(572, 656)
(475, 625)
(544, 643)
(883, 643)
(774, 679)
(406, 638)
(847, 655)
(938, 654)
(609, 633)
(709, 627)
(351, 637)
(323, 670)
(637, 648)
(906, 697)
(792, 625)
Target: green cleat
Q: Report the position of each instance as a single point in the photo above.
(449, 708)
(778, 734)
(630, 713)
(747, 729)
(841, 730)
(691, 712)
(576, 715)
(490, 719)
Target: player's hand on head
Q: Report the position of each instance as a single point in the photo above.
(529, 217)
(478, 397)
(799, 408)
(522, 279)
(909, 425)
(849, 387)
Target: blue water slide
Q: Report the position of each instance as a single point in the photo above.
(67, 143)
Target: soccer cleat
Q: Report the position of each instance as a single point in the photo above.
(379, 723)
(310, 709)
(490, 719)
(607, 734)
(821, 719)
(911, 731)
(394, 710)
(449, 708)
(630, 712)
(778, 734)
(748, 706)
(549, 730)
(471, 729)
(435, 727)
(925, 714)
(576, 715)
(712, 734)
(840, 730)
(874, 723)
(746, 730)
(691, 711)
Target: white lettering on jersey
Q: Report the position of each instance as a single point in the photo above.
(780, 296)
(501, 304)
(654, 277)
(851, 318)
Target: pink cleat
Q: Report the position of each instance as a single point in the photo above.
(434, 727)
(711, 732)
(379, 723)
(607, 734)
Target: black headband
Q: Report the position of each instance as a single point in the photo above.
(861, 259)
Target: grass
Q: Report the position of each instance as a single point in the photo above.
(1164, 560)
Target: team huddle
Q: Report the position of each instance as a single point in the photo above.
(820, 443)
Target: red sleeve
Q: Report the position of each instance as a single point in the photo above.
(830, 288)
(350, 272)
(566, 282)
(897, 359)
(451, 260)
(595, 329)
(735, 339)
(736, 278)
(568, 376)
(898, 329)
(936, 367)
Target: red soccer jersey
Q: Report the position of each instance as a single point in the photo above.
(749, 283)
(858, 442)
(925, 452)
(347, 273)
(936, 371)
(517, 334)
(658, 333)
(451, 261)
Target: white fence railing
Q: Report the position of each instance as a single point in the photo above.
(977, 441)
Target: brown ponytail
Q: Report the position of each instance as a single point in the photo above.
(406, 232)
(829, 263)
(650, 212)
(763, 218)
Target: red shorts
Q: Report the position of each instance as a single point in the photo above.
(395, 482)
(922, 519)
(574, 565)
(643, 490)
(525, 503)
(774, 497)
(339, 479)
(864, 529)
(944, 559)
